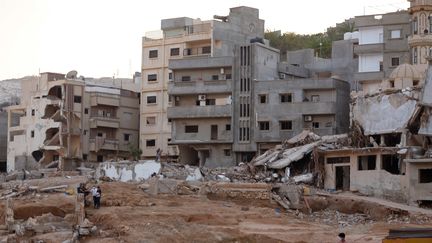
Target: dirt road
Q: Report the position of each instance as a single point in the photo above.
(130, 215)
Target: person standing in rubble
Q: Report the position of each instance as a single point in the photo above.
(158, 154)
(94, 193)
(83, 190)
(97, 197)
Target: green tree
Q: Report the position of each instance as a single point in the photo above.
(135, 152)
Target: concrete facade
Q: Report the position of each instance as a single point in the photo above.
(382, 46)
(195, 44)
(64, 121)
(222, 122)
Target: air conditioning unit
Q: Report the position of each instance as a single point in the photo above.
(308, 118)
(202, 97)
(282, 75)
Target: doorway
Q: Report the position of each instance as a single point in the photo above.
(343, 178)
(214, 132)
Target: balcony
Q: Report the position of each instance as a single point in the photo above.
(104, 99)
(197, 51)
(422, 39)
(188, 32)
(306, 108)
(104, 121)
(213, 62)
(100, 143)
(369, 48)
(200, 87)
(369, 76)
(200, 111)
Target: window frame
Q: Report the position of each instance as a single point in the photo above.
(153, 54)
(264, 125)
(286, 122)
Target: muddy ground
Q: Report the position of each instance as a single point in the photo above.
(130, 215)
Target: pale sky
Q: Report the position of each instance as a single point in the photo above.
(101, 38)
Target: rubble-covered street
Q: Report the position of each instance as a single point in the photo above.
(174, 206)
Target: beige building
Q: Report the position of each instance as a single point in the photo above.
(64, 121)
(186, 38)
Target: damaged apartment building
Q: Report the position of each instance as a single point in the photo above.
(237, 99)
(63, 120)
(391, 153)
(390, 123)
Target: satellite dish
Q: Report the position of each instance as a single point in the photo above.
(72, 74)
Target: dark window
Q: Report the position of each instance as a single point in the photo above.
(367, 162)
(315, 124)
(285, 125)
(210, 101)
(100, 158)
(84, 156)
(100, 134)
(227, 152)
(175, 51)
(169, 120)
(153, 54)
(395, 61)
(126, 136)
(77, 99)
(33, 112)
(228, 127)
(85, 132)
(206, 49)
(381, 66)
(151, 99)
(228, 76)
(152, 77)
(86, 111)
(186, 78)
(338, 160)
(414, 53)
(150, 142)
(284, 98)
(425, 175)
(262, 98)
(170, 76)
(215, 77)
(390, 163)
(32, 134)
(264, 125)
(191, 129)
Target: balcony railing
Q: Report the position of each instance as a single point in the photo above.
(200, 111)
(100, 143)
(197, 51)
(188, 30)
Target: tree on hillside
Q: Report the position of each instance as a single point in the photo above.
(320, 42)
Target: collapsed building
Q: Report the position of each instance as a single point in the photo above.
(387, 153)
(64, 120)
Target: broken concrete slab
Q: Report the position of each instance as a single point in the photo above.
(128, 170)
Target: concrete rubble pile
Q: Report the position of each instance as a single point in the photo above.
(299, 148)
(27, 219)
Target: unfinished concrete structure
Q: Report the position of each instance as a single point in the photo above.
(223, 122)
(382, 46)
(64, 120)
(196, 43)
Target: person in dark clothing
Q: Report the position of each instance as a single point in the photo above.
(82, 189)
(97, 197)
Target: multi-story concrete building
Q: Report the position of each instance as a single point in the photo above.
(219, 121)
(382, 46)
(186, 38)
(65, 120)
(420, 39)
